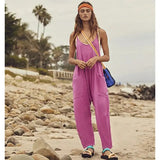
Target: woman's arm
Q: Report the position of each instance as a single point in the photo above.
(71, 58)
(72, 49)
(104, 43)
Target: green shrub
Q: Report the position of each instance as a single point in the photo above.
(15, 61)
(44, 72)
(10, 73)
(29, 78)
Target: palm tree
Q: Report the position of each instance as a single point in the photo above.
(43, 48)
(57, 54)
(46, 19)
(38, 11)
(12, 26)
(24, 41)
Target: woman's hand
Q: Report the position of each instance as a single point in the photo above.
(91, 62)
(81, 64)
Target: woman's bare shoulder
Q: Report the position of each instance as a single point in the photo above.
(102, 32)
(71, 35)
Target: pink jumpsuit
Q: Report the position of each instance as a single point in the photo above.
(89, 86)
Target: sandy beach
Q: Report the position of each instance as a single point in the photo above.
(46, 110)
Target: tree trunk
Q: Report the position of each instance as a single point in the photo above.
(38, 30)
(40, 62)
(43, 30)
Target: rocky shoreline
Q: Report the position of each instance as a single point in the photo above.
(37, 113)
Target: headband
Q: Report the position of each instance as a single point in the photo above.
(85, 5)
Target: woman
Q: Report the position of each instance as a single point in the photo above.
(88, 82)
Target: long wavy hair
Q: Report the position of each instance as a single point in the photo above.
(93, 25)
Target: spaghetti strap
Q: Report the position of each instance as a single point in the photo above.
(99, 39)
(76, 42)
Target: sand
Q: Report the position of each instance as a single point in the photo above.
(132, 127)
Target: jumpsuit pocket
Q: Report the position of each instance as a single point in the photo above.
(78, 87)
(101, 87)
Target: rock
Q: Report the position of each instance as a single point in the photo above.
(66, 157)
(29, 152)
(27, 116)
(39, 122)
(47, 110)
(28, 134)
(61, 118)
(113, 114)
(7, 123)
(8, 133)
(7, 156)
(42, 148)
(40, 115)
(8, 78)
(21, 152)
(57, 149)
(7, 110)
(15, 111)
(37, 81)
(46, 78)
(19, 131)
(18, 78)
(144, 92)
(31, 126)
(55, 124)
(34, 107)
(26, 129)
(46, 122)
(69, 125)
(127, 90)
(22, 108)
(66, 109)
(39, 157)
(12, 140)
(17, 119)
(21, 157)
(8, 101)
(10, 144)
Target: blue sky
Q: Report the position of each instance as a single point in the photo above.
(130, 26)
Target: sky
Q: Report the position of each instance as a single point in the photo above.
(129, 24)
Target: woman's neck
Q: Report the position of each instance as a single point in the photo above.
(86, 26)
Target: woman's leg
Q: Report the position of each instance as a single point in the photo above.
(83, 120)
(101, 104)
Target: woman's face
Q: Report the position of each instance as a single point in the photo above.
(85, 14)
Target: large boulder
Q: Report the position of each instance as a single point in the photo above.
(66, 157)
(127, 90)
(18, 78)
(47, 110)
(39, 157)
(144, 92)
(44, 149)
